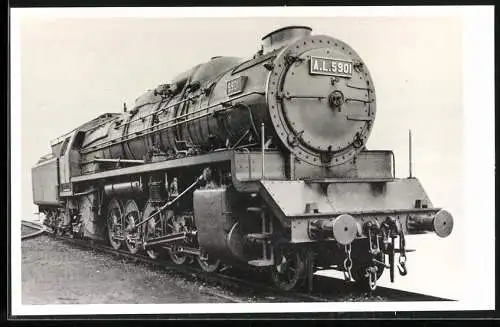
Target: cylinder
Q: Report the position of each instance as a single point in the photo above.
(122, 189)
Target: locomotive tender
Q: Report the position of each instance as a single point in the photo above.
(259, 162)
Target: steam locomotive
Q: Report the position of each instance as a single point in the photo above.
(257, 162)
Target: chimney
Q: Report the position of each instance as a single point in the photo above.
(284, 36)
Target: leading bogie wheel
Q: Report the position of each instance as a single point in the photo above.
(114, 223)
(208, 264)
(179, 258)
(132, 233)
(362, 260)
(288, 271)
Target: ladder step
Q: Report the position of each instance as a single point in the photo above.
(258, 236)
(261, 263)
(254, 209)
(406, 250)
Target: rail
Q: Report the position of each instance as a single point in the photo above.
(40, 229)
(187, 271)
(326, 289)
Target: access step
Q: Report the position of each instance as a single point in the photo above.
(261, 263)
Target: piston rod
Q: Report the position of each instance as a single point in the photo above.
(166, 239)
(263, 141)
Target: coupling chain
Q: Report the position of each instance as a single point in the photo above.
(402, 255)
(373, 250)
(372, 277)
(347, 263)
(371, 271)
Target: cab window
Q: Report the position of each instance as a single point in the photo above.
(64, 146)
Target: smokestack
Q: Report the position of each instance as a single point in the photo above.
(284, 36)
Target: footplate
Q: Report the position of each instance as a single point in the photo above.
(339, 210)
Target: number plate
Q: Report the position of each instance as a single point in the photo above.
(236, 85)
(330, 66)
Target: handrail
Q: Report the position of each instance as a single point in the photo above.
(210, 83)
(109, 143)
(65, 135)
(118, 161)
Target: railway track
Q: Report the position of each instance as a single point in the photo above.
(38, 230)
(243, 282)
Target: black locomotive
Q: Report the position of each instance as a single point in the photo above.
(258, 162)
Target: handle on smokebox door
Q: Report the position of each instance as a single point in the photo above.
(170, 203)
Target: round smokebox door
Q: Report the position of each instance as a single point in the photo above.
(326, 101)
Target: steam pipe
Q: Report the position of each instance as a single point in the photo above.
(125, 188)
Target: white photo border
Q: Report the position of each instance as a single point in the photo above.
(478, 100)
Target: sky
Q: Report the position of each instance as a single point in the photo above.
(74, 69)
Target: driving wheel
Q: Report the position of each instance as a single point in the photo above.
(151, 229)
(114, 223)
(132, 233)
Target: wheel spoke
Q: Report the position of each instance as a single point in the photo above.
(114, 215)
(131, 219)
(290, 272)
